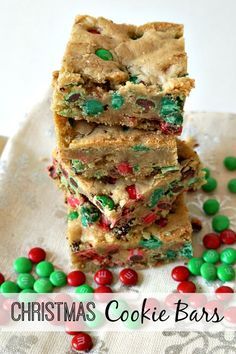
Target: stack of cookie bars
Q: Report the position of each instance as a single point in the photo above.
(118, 109)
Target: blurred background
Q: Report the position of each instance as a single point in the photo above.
(33, 35)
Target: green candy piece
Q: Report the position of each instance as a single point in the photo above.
(210, 185)
(73, 215)
(117, 309)
(194, 265)
(134, 79)
(169, 106)
(225, 272)
(208, 271)
(140, 148)
(211, 206)
(136, 168)
(211, 256)
(105, 202)
(232, 185)
(93, 107)
(207, 172)
(187, 250)
(230, 163)
(9, 287)
(104, 54)
(44, 269)
(28, 291)
(171, 254)
(98, 321)
(22, 265)
(25, 281)
(78, 166)
(174, 118)
(132, 325)
(151, 243)
(228, 256)
(43, 286)
(220, 223)
(84, 292)
(89, 215)
(155, 197)
(58, 278)
(117, 101)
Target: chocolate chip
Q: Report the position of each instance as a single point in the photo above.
(121, 231)
(64, 172)
(187, 172)
(73, 97)
(196, 224)
(108, 179)
(74, 246)
(72, 181)
(146, 104)
(72, 122)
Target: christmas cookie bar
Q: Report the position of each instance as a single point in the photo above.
(99, 151)
(118, 74)
(93, 247)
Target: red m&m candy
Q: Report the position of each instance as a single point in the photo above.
(180, 273)
(2, 279)
(131, 190)
(103, 277)
(76, 278)
(186, 287)
(224, 293)
(128, 277)
(228, 237)
(82, 341)
(37, 255)
(100, 293)
(124, 168)
(211, 241)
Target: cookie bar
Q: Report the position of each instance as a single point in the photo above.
(125, 205)
(92, 247)
(118, 74)
(99, 150)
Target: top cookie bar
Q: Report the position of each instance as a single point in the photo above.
(118, 74)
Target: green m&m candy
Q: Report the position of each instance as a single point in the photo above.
(105, 201)
(84, 292)
(232, 185)
(73, 215)
(93, 107)
(9, 287)
(44, 269)
(22, 265)
(228, 256)
(28, 291)
(194, 265)
(208, 271)
(207, 172)
(97, 322)
(230, 163)
(43, 285)
(89, 215)
(220, 223)
(25, 281)
(210, 185)
(211, 206)
(58, 278)
(225, 272)
(117, 101)
(211, 256)
(104, 54)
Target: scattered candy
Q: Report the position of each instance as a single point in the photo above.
(105, 202)
(211, 256)
(210, 185)
(230, 314)
(9, 287)
(180, 273)
(228, 256)
(97, 322)
(228, 237)
(194, 265)
(25, 281)
(104, 54)
(207, 172)
(197, 301)
(103, 290)
(84, 289)
(44, 269)
(73, 215)
(117, 101)
(214, 304)
(220, 223)
(224, 293)
(232, 185)
(22, 265)
(211, 241)
(131, 190)
(37, 255)
(58, 278)
(82, 341)
(93, 107)
(76, 278)
(230, 163)
(2, 279)
(211, 206)
(186, 287)
(103, 277)
(208, 271)
(43, 285)
(124, 168)
(225, 272)
(128, 277)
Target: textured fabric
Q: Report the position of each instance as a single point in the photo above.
(32, 214)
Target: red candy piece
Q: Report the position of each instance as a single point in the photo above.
(101, 293)
(103, 277)
(82, 341)
(230, 314)
(224, 293)
(197, 300)
(76, 278)
(150, 218)
(168, 129)
(131, 190)
(180, 273)
(186, 287)
(37, 255)
(128, 277)
(211, 241)
(124, 168)
(162, 222)
(104, 223)
(2, 279)
(211, 305)
(73, 202)
(152, 303)
(228, 237)
(74, 328)
(146, 104)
